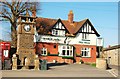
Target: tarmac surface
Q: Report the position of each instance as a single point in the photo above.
(115, 70)
(72, 70)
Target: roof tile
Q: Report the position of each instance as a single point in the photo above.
(48, 23)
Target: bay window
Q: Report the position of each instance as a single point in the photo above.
(66, 51)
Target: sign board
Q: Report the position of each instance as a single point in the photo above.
(50, 39)
(6, 52)
(84, 42)
(99, 41)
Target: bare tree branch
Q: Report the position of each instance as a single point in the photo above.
(5, 16)
(12, 10)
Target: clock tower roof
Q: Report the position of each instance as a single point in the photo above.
(27, 13)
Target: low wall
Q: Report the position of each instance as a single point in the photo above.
(56, 58)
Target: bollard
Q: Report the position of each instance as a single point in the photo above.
(0, 64)
(36, 63)
(14, 62)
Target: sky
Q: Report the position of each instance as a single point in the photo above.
(103, 16)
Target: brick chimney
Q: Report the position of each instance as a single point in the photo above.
(70, 16)
(34, 11)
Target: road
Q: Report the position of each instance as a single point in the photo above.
(115, 70)
(72, 70)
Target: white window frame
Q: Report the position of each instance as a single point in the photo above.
(87, 51)
(55, 32)
(85, 36)
(58, 32)
(68, 51)
(43, 50)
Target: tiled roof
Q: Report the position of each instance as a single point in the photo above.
(112, 47)
(48, 24)
(44, 25)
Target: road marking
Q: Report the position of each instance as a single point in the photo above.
(113, 73)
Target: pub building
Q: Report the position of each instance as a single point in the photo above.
(66, 41)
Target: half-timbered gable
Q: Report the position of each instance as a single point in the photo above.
(59, 29)
(87, 27)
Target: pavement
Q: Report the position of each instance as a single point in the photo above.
(0, 68)
(72, 70)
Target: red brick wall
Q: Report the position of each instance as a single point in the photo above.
(86, 59)
(52, 50)
(49, 46)
(57, 58)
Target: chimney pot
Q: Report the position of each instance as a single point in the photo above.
(34, 11)
(70, 16)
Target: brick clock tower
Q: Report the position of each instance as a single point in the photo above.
(25, 39)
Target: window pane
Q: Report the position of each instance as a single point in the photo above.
(67, 52)
(53, 31)
(70, 47)
(41, 51)
(70, 52)
(44, 52)
(56, 32)
(63, 47)
(67, 47)
(85, 53)
(85, 36)
(82, 35)
(63, 51)
(82, 53)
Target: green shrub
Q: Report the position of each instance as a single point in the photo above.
(49, 54)
(78, 55)
(53, 54)
(67, 57)
(93, 64)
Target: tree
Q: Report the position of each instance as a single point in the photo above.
(12, 10)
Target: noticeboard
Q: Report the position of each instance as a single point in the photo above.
(100, 42)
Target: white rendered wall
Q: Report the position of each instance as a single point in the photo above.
(69, 40)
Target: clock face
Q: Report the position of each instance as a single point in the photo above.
(27, 28)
